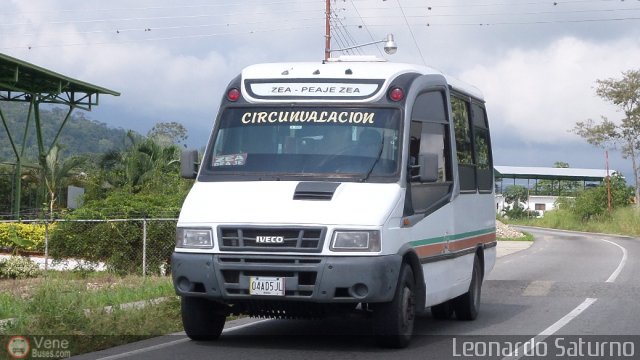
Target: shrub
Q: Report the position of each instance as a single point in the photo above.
(18, 267)
(35, 233)
(593, 203)
(518, 212)
(118, 244)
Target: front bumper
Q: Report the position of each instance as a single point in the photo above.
(337, 279)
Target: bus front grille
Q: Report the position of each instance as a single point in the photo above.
(271, 239)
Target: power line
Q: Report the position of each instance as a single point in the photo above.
(411, 32)
(366, 27)
(535, 22)
(177, 37)
(225, 4)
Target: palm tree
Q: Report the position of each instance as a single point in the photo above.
(142, 162)
(55, 171)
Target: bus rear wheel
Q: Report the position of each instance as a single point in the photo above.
(467, 305)
(442, 311)
(394, 320)
(202, 319)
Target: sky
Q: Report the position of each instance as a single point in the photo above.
(536, 62)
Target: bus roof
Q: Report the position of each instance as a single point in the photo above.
(350, 67)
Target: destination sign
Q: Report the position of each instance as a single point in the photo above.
(313, 90)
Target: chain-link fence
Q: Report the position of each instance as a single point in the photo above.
(125, 246)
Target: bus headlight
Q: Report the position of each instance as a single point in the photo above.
(194, 238)
(356, 240)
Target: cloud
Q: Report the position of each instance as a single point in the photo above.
(539, 94)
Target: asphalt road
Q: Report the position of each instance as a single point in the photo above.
(568, 294)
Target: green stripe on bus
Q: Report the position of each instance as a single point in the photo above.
(439, 239)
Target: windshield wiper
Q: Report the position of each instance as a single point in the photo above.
(375, 162)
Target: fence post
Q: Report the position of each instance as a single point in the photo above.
(46, 246)
(144, 247)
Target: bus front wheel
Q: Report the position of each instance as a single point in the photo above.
(394, 320)
(202, 319)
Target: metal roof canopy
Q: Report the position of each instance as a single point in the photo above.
(547, 173)
(25, 82)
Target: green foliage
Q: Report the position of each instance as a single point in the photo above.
(518, 212)
(141, 165)
(594, 202)
(167, 133)
(18, 267)
(57, 307)
(80, 137)
(623, 221)
(28, 237)
(625, 94)
(515, 194)
(119, 244)
(564, 202)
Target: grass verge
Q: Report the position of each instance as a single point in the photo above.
(55, 307)
(623, 221)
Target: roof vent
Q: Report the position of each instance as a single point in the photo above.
(310, 190)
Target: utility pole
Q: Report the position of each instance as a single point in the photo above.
(606, 156)
(327, 36)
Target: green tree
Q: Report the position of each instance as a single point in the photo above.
(625, 94)
(167, 133)
(56, 171)
(516, 194)
(144, 163)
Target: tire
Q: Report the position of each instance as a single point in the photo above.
(394, 320)
(202, 319)
(442, 311)
(467, 306)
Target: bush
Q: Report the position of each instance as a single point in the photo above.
(33, 232)
(118, 244)
(518, 212)
(593, 203)
(18, 267)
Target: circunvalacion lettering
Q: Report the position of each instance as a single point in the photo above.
(342, 117)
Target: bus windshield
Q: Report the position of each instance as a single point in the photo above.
(319, 142)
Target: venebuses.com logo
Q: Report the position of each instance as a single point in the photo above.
(37, 347)
(18, 347)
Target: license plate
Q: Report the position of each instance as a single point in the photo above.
(268, 286)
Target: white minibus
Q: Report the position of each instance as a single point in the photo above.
(349, 185)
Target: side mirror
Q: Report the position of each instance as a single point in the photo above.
(428, 167)
(189, 164)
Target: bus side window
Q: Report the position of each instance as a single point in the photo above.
(482, 145)
(464, 149)
(429, 135)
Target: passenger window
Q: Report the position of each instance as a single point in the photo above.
(482, 144)
(464, 148)
(460, 110)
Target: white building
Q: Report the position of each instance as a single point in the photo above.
(529, 177)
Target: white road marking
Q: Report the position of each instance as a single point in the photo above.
(171, 343)
(567, 318)
(615, 274)
(554, 328)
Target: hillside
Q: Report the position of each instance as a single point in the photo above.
(80, 135)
